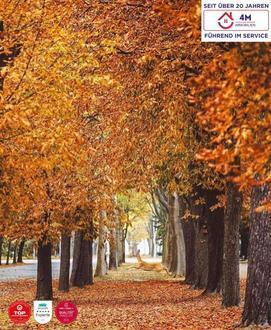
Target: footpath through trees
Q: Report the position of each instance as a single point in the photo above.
(134, 299)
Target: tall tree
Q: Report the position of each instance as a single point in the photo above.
(215, 227)
(82, 270)
(113, 256)
(1, 247)
(231, 282)
(15, 253)
(179, 251)
(201, 260)
(101, 266)
(8, 252)
(257, 309)
(190, 235)
(20, 251)
(44, 272)
(64, 275)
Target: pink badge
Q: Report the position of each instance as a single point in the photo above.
(66, 312)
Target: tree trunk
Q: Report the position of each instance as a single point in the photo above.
(8, 252)
(201, 258)
(151, 246)
(189, 230)
(123, 248)
(195, 234)
(215, 227)
(56, 250)
(64, 274)
(172, 258)
(15, 253)
(244, 236)
(166, 245)
(257, 309)
(76, 255)
(20, 251)
(124, 235)
(90, 269)
(180, 244)
(1, 247)
(119, 245)
(231, 281)
(44, 274)
(151, 232)
(177, 245)
(82, 273)
(113, 263)
(101, 264)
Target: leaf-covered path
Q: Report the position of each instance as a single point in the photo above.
(131, 299)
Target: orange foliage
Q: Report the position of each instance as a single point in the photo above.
(105, 98)
(46, 157)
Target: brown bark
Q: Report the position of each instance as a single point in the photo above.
(84, 275)
(8, 252)
(180, 244)
(189, 233)
(64, 274)
(189, 230)
(76, 254)
(215, 227)
(196, 240)
(14, 253)
(44, 273)
(119, 244)
(82, 270)
(151, 232)
(123, 259)
(172, 256)
(166, 246)
(20, 251)
(124, 235)
(101, 268)
(257, 309)
(201, 258)
(172, 248)
(231, 281)
(113, 264)
(1, 247)
(90, 268)
(244, 237)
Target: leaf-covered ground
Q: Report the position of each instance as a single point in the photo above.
(129, 299)
(11, 265)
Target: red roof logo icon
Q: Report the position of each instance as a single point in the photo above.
(226, 21)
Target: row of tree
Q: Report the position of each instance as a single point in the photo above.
(99, 99)
(11, 249)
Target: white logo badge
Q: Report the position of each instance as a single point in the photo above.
(43, 311)
(236, 21)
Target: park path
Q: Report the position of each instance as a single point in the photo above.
(26, 271)
(131, 299)
(29, 269)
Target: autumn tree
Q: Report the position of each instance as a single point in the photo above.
(240, 149)
(44, 171)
